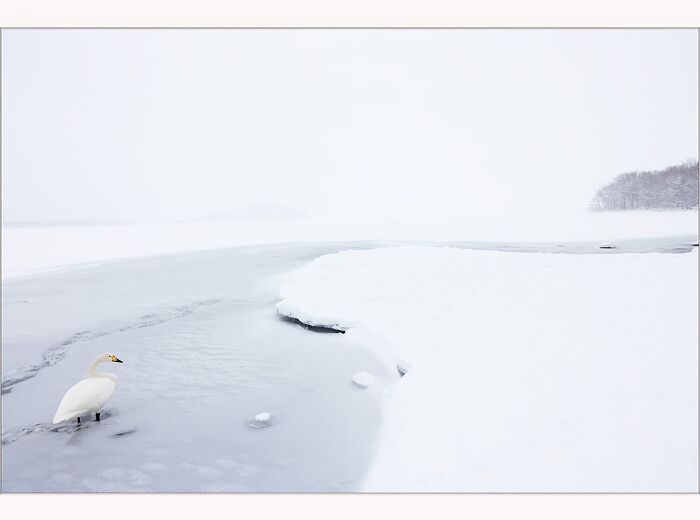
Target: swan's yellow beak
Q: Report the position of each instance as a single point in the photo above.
(115, 359)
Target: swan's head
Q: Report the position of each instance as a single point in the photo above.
(107, 358)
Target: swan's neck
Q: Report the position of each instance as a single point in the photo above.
(92, 371)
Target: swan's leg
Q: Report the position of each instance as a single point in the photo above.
(78, 420)
(97, 416)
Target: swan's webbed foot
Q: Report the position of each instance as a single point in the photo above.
(97, 416)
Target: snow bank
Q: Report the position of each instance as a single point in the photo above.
(528, 372)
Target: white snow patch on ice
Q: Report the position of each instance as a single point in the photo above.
(363, 379)
(263, 417)
(529, 372)
(261, 420)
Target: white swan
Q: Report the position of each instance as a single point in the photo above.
(89, 395)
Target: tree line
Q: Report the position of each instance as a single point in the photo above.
(676, 187)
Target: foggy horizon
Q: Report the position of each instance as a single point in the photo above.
(164, 125)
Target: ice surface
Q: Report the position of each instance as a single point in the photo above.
(203, 351)
(528, 372)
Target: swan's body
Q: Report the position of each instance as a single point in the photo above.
(89, 395)
(86, 397)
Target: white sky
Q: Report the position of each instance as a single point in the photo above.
(388, 124)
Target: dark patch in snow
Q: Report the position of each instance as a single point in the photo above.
(15, 434)
(59, 350)
(125, 432)
(314, 328)
(70, 426)
(669, 245)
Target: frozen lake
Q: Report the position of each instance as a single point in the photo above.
(203, 352)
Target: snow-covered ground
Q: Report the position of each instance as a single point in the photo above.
(34, 250)
(525, 372)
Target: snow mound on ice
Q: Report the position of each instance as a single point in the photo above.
(363, 379)
(261, 420)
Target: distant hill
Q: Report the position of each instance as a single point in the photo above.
(258, 212)
(676, 187)
(61, 223)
